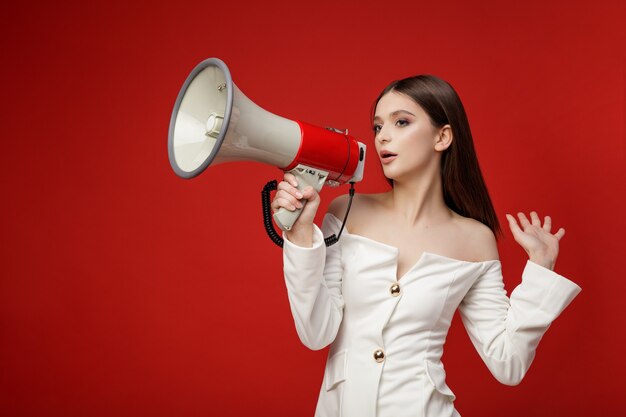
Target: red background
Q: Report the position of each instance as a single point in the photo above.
(127, 291)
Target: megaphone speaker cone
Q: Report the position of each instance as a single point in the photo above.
(214, 122)
(205, 98)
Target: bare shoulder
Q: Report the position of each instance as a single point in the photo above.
(481, 241)
(339, 205)
(362, 206)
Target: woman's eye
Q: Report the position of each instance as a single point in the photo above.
(376, 128)
(402, 122)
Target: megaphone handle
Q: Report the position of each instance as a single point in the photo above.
(305, 176)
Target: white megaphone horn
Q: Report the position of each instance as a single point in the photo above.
(214, 122)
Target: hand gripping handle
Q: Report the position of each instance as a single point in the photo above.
(305, 176)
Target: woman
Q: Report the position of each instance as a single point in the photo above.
(384, 296)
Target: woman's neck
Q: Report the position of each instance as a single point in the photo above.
(419, 200)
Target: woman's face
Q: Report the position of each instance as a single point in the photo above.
(405, 138)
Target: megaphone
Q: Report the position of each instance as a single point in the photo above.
(214, 122)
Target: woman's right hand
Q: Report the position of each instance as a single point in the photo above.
(288, 196)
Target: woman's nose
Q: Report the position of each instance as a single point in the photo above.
(383, 136)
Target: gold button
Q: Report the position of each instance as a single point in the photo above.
(395, 290)
(379, 355)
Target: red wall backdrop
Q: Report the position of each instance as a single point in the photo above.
(127, 291)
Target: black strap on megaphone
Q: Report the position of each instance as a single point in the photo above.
(267, 215)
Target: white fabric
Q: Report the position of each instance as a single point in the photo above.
(341, 295)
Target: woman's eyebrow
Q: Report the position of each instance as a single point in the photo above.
(395, 113)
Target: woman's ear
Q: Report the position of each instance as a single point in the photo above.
(444, 138)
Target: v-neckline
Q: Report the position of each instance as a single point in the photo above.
(397, 252)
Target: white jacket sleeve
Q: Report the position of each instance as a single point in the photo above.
(506, 331)
(313, 277)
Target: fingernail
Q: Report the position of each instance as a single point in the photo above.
(299, 194)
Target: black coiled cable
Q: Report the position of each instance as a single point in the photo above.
(267, 215)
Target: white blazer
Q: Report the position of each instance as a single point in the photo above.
(387, 335)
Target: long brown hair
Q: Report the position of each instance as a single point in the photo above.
(464, 189)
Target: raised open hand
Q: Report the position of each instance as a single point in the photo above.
(537, 240)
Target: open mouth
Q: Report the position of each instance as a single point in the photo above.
(387, 156)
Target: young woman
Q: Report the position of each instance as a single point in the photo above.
(384, 296)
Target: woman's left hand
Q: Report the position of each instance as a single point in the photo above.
(539, 243)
